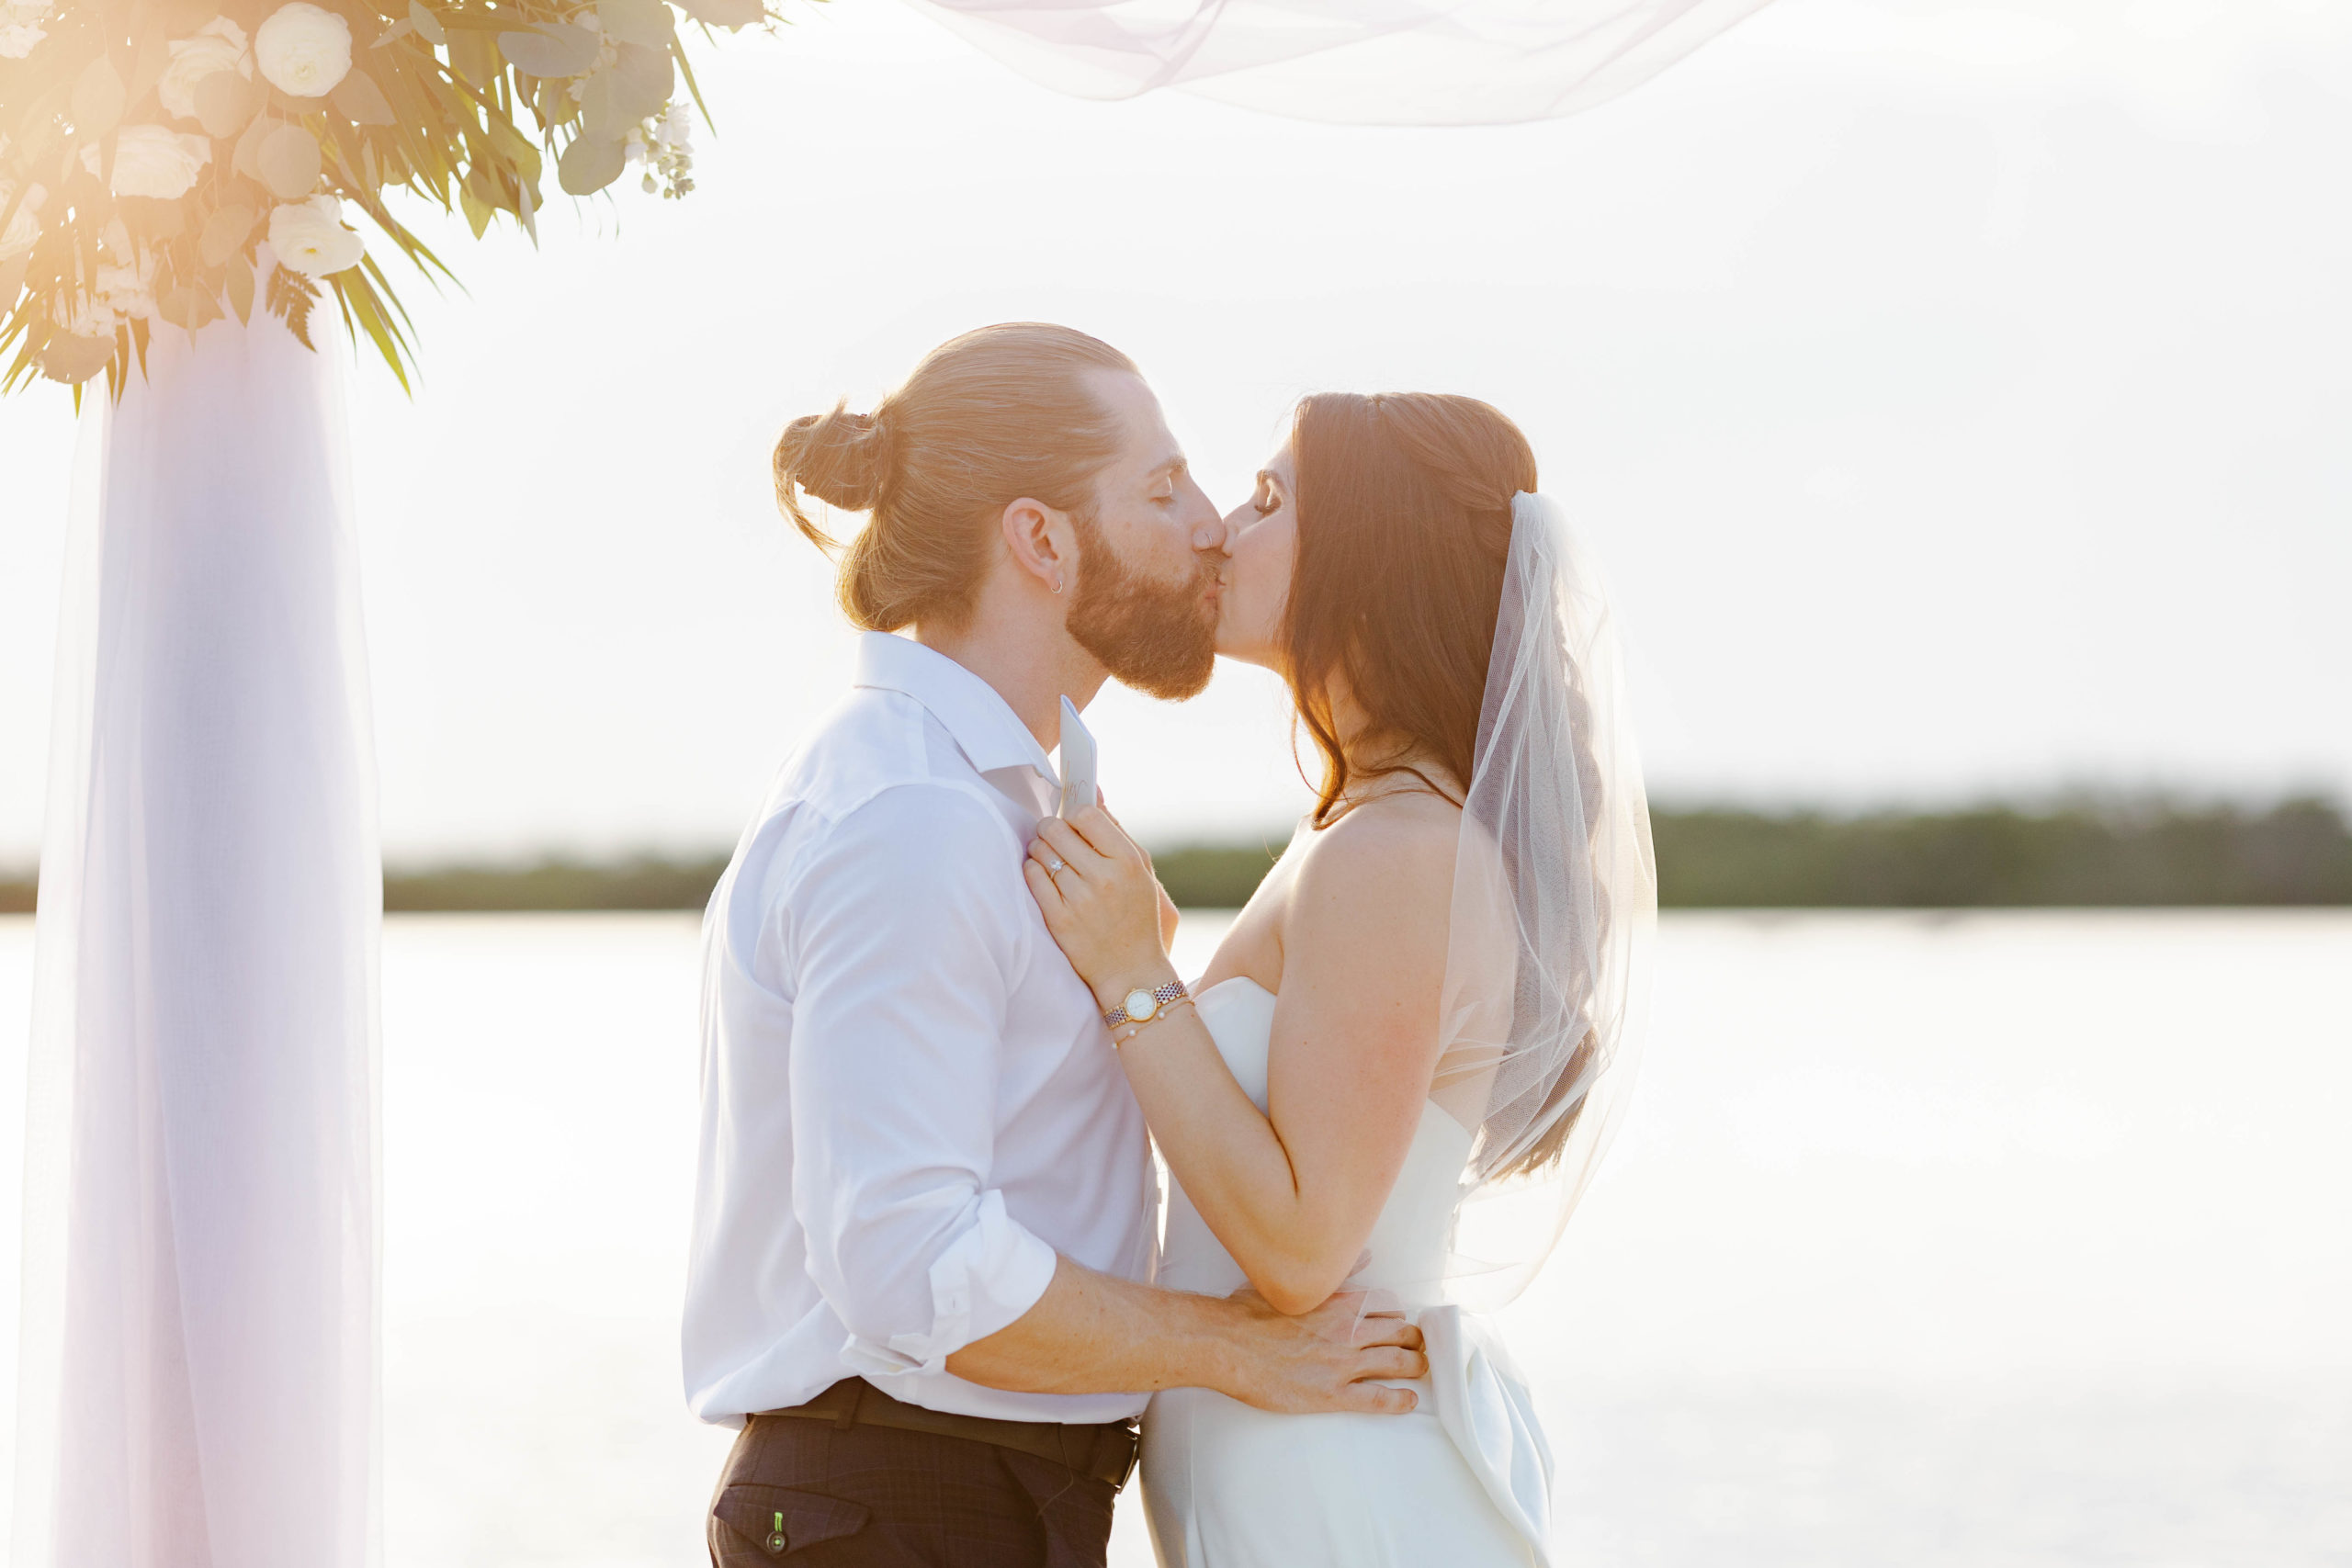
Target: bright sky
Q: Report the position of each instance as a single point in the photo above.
(1958, 394)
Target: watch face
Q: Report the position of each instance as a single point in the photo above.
(1141, 1005)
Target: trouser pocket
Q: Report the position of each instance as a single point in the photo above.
(752, 1523)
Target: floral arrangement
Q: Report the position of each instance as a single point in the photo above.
(168, 161)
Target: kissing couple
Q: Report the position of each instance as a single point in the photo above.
(941, 1034)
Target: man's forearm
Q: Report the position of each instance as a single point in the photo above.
(1094, 1333)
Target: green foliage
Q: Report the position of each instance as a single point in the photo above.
(2082, 855)
(1213, 876)
(290, 297)
(2091, 855)
(643, 884)
(462, 102)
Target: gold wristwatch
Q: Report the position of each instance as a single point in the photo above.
(1141, 1005)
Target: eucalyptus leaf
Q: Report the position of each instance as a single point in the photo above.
(589, 164)
(551, 48)
(361, 101)
(643, 80)
(427, 27)
(289, 163)
(73, 359)
(486, 189)
(478, 212)
(224, 234)
(602, 114)
(227, 103)
(647, 22)
(726, 12)
(238, 275)
(100, 98)
(244, 160)
(475, 57)
(187, 306)
(154, 53)
(554, 103)
(152, 218)
(399, 30)
(12, 279)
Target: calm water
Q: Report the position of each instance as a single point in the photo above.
(2018, 1239)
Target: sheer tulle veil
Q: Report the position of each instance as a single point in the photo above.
(1554, 914)
(1357, 61)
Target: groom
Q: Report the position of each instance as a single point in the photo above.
(924, 1217)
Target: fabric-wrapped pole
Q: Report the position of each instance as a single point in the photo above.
(199, 1362)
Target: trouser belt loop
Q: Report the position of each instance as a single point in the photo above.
(847, 1417)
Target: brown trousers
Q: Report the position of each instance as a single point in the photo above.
(802, 1493)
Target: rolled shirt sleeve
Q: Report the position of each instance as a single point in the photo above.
(906, 940)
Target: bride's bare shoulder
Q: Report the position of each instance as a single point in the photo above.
(1388, 859)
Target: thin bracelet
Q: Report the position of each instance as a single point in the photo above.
(1133, 1030)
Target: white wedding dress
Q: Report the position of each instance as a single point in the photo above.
(1463, 1481)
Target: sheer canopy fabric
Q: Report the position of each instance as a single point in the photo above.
(1554, 912)
(199, 1382)
(1351, 62)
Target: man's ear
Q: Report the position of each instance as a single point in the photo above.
(1042, 542)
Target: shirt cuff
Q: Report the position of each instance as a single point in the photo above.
(990, 1276)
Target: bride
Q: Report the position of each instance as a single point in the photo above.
(1406, 1058)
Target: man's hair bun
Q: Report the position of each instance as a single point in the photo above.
(844, 459)
(986, 419)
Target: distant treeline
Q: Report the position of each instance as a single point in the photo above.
(642, 884)
(2090, 855)
(2084, 855)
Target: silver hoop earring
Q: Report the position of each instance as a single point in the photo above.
(1057, 585)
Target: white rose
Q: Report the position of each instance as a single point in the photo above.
(218, 45)
(25, 227)
(308, 236)
(18, 39)
(303, 50)
(129, 290)
(91, 319)
(150, 160)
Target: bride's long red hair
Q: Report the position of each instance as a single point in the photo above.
(1403, 529)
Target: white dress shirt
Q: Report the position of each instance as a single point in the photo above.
(910, 1103)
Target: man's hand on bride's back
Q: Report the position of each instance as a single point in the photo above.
(1328, 1359)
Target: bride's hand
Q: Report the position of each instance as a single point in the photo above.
(1102, 902)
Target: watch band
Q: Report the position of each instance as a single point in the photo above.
(1131, 1007)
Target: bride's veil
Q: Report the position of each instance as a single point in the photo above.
(1554, 908)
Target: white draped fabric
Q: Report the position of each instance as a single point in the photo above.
(1354, 62)
(199, 1382)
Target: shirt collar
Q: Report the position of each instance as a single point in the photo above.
(982, 723)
